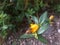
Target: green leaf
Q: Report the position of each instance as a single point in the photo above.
(43, 17)
(4, 27)
(35, 19)
(2, 15)
(42, 39)
(41, 3)
(26, 36)
(30, 12)
(3, 34)
(19, 18)
(43, 28)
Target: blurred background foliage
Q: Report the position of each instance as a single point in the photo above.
(14, 12)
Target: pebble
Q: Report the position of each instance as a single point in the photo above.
(50, 37)
(58, 30)
(51, 41)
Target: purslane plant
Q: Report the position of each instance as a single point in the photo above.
(39, 26)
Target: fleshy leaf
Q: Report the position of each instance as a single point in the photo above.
(43, 17)
(35, 19)
(26, 36)
(42, 39)
(43, 28)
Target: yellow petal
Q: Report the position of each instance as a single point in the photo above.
(51, 17)
(34, 27)
(31, 24)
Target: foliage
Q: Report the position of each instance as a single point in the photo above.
(57, 8)
(3, 26)
(14, 12)
(27, 36)
(55, 5)
(42, 39)
(43, 24)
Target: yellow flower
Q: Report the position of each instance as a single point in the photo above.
(34, 28)
(51, 17)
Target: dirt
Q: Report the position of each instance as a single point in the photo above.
(52, 35)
